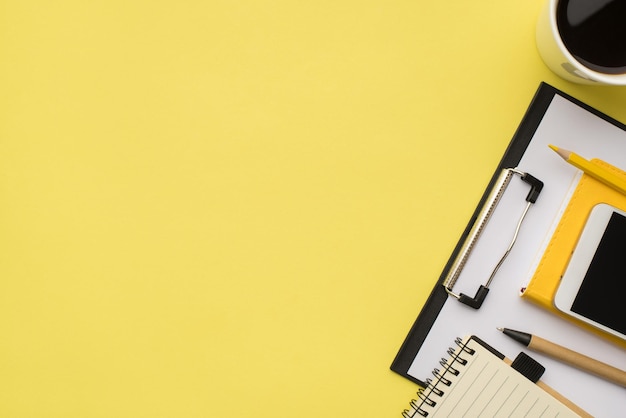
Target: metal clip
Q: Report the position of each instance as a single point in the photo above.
(483, 217)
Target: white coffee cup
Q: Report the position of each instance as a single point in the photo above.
(561, 60)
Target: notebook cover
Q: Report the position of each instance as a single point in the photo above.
(543, 285)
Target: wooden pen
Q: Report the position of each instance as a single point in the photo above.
(565, 355)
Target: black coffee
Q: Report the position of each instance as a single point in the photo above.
(594, 32)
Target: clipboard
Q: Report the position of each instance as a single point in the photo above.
(439, 319)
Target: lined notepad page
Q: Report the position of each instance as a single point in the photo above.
(476, 383)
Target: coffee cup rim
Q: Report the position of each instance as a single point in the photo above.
(588, 72)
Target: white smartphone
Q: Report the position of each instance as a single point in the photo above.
(593, 287)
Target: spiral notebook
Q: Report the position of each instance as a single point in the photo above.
(476, 381)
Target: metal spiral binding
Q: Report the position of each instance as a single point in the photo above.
(436, 388)
(459, 342)
(433, 388)
(449, 369)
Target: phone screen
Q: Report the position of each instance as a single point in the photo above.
(601, 296)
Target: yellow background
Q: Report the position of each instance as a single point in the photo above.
(237, 208)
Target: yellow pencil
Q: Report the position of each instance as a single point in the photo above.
(594, 170)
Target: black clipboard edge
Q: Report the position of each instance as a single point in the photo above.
(517, 146)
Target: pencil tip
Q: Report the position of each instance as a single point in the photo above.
(500, 329)
(563, 153)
